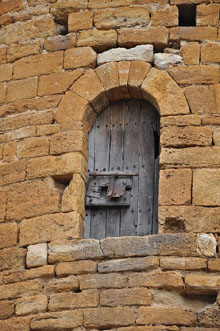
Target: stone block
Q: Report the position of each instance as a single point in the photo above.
(207, 244)
(63, 8)
(17, 51)
(161, 244)
(173, 189)
(36, 65)
(121, 17)
(128, 37)
(183, 263)
(31, 305)
(3, 52)
(12, 172)
(203, 99)
(65, 251)
(207, 14)
(210, 53)
(195, 33)
(138, 72)
(90, 88)
(6, 309)
(36, 28)
(9, 152)
(167, 16)
(60, 42)
(44, 272)
(186, 136)
(211, 120)
(170, 280)
(195, 75)
(214, 265)
(80, 21)
(216, 137)
(33, 147)
(166, 315)
(58, 82)
(50, 227)
(9, 5)
(128, 297)
(12, 258)
(36, 255)
(180, 121)
(179, 219)
(64, 269)
(129, 264)
(191, 53)
(22, 133)
(65, 166)
(80, 57)
(22, 89)
(3, 201)
(142, 52)
(16, 324)
(70, 300)
(100, 40)
(109, 77)
(66, 284)
(206, 187)
(168, 100)
(108, 3)
(165, 60)
(102, 281)
(202, 283)
(8, 235)
(6, 72)
(58, 321)
(2, 92)
(45, 198)
(102, 317)
(190, 157)
(209, 317)
(20, 289)
(47, 130)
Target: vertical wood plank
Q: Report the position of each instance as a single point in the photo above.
(131, 164)
(156, 176)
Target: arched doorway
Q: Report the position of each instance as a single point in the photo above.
(123, 171)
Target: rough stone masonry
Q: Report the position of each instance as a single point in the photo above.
(61, 63)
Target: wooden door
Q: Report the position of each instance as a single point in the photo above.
(124, 146)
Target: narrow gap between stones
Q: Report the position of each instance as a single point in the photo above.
(62, 26)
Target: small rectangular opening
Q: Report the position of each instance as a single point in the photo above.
(187, 15)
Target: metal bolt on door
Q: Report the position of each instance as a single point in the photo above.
(122, 184)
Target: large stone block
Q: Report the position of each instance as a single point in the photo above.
(3, 52)
(209, 317)
(60, 42)
(2, 92)
(38, 65)
(173, 189)
(31, 305)
(128, 37)
(179, 219)
(66, 284)
(180, 121)
(20, 289)
(210, 53)
(64, 250)
(80, 21)
(12, 258)
(109, 77)
(191, 53)
(63, 8)
(22, 89)
(45, 198)
(6, 72)
(102, 281)
(100, 40)
(8, 6)
(214, 265)
(70, 300)
(195, 75)
(165, 60)
(33, 147)
(190, 157)
(36, 255)
(6, 309)
(129, 264)
(44, 272)
(8, 235)
(58, 82)
(142, 52)
(16, 324)
(183, 263)
(164, 93)
(195, 33)
(107, 3)
(166, 315)
(3, 200)
(121, 17)
(103, 317)
(186, 136)
(207, 14)
(64, 269)
(128, 297)
(50, 227)
(12, 172)
(80, 57)
(202, 283)
(206, 187)
(17, 51)
(167, 16)
(57, 321)
(207, 244)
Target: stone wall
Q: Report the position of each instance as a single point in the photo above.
(61, 63)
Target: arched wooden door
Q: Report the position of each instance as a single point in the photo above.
(122, 185)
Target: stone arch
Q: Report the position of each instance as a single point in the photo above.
(94, 91)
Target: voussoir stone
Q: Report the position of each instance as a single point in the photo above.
(141, 52)
(164, 60)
